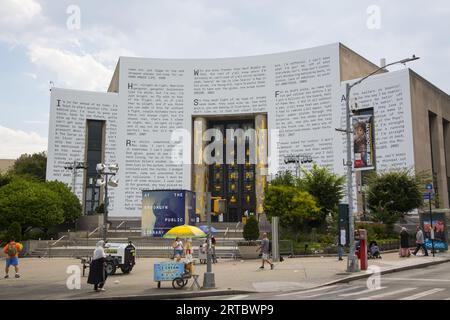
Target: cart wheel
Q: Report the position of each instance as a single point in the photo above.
(126, 269)
(110, 269)
(178, 283)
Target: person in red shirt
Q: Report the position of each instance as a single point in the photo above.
(12, 250)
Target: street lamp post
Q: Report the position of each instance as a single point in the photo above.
(208, 277)
(101, 170)
(352, 265)
(74, 166)
(297, 159)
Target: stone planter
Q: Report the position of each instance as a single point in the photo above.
(249, 251)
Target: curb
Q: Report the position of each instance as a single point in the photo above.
(193, 294)
(386, 271)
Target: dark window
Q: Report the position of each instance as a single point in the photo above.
(94, 156)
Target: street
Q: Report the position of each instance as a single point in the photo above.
(430, 283)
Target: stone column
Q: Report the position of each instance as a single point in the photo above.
(199, 167)
(261, 160)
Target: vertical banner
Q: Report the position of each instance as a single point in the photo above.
(363, 142)
(439, 230)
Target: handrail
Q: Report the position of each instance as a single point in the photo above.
(120, 224)
(54, 243)
(237, 225)
(95, 230)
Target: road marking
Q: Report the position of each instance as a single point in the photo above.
(331, 292)
(423, 294)
(389, 293)
(238, 297)
(305, 291)
(360, 292)
(414, 279)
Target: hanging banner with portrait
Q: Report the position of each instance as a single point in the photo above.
(363, 142)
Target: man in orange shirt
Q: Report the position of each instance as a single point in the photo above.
(12, 250)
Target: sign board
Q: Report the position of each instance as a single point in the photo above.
(165, 209)
(363, 142)
(429, 186)
(439, 228)
(167, 271)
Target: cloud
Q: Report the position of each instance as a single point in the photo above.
(17, 142)
(78, 71)
(18, 13)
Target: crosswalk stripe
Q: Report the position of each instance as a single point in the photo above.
(360, 292)
(386, 294)
(415, 279)
(238, 297)
(331, 292)
(305, 291)
(423, 294)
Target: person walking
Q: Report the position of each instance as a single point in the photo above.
(97, 271)
(12, 250)
(404, 243)
(264, 248)
(420, 242)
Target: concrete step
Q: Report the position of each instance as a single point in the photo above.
(142, 252)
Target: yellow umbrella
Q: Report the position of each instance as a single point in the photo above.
(184, 231)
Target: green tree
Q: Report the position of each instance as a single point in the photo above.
(5, 178)
(295, 208)
(251, 229)
(326, 187)
(14, 231)
(34, 165)
(31, 204)
(69, 201)
(393, 194)
(284, 178)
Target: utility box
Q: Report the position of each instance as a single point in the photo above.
(165, 209)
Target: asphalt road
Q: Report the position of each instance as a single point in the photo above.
(431, 283)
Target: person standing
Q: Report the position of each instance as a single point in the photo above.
(178, 247)
(187, 247)
(213, 247)
(12, 250)
(340, 249)
(265, 250)
(97, 271)
(420, 241)
(404, 243)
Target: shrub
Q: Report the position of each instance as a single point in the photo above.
(251, 229)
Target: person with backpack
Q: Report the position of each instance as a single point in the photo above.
(12, 250)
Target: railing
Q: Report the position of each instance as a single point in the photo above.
(95, 230)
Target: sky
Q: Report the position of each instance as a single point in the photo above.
(76, 44)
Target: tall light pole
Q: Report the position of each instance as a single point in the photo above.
(74, 166)
(101, 170)
(297, 159)
(208, 277)
(352, 263)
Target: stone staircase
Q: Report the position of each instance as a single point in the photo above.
(75, 245)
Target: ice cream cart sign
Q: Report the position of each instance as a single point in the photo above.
(167, 271)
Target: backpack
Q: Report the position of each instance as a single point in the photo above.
(12, 250)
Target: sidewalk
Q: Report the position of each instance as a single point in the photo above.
(46, 278)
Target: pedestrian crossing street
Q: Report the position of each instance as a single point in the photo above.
(356, 292)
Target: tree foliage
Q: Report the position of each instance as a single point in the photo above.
(393, 194)
(251, 229)
(34, 165)
(69, 202)
(31, 204)
(284, 178)
(295, 208)
(325, 186)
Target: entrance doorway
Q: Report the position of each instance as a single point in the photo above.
(234, 181)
